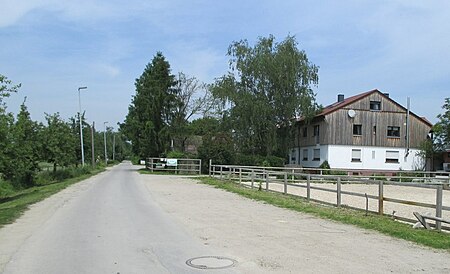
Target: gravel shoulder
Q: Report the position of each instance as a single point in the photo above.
(267, 239)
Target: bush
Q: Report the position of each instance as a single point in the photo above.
(325, 165)
(219, 148)
(176, 154)
(6, 189)
(258, 160)
(49, 177)
(275, 161)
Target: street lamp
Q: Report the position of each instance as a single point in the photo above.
(81, 129)
(104, 137)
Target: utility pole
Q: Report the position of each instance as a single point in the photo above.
(92, 144)
(81, 125)
(114, 146)
(104, 136)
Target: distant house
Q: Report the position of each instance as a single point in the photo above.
(446, 159)
(368, 131)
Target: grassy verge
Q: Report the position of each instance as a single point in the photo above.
(12, 206)
(383, 224)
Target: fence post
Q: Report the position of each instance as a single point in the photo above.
(210, 167)
(253, 178)
(338, 191)
(308, 187)
(240, 175)
(151, 164)
(229, 173)
(221, 170)
(267, 180)
(439, 189)
(380, 198)
(200, 167)
(285, 182)
(293, 176)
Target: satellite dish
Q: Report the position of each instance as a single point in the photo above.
(351, 113)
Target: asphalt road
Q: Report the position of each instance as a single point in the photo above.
(110, 224)
(122, 222)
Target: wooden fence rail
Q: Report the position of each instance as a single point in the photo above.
(264, 178)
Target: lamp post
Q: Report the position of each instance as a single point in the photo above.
(104, 137)
(81, 126)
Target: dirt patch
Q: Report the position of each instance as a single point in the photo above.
(267, 239)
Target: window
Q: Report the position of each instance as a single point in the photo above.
(393, 132)
(375, 105)
(357, 130)
(392, 156)
(305, 155)
(316, 154)
(356, 155)
(305, 132)
(316, 130)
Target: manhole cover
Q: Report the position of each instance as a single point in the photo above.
(211, 262)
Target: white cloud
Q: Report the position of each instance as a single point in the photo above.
(196, 59)
(13, 10)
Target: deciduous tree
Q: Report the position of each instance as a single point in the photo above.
(269, 85)
(59, 142)
(442, 128)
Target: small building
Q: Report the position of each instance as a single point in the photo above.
(446, 160)
(368, 131)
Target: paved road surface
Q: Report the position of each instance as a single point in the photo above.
(111, 225)
(123, 222)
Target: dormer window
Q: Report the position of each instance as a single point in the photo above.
(375, 105)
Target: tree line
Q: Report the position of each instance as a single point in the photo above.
(243, 116)
(27, 147)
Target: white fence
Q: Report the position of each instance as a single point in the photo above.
(177, 166)
(386, 196)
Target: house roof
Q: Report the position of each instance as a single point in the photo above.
(339, 105)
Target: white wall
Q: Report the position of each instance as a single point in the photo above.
(310, 162)
(341, 157)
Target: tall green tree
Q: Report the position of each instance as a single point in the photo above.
(268, 86)
(442, 128)
(6, 88)
(6, 123)
(151, 112)
(25, 150)
(59, 143)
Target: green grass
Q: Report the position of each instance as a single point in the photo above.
(383, 224)
(15, 204)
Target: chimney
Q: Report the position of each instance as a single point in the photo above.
(386, 94)
(340, 98)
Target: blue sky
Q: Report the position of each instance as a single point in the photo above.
(53, 47)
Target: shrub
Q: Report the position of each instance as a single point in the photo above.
(6, 189)
(177, 155)
(325, 165)
(49, 177)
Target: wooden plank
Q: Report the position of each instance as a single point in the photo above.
(422, 220)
